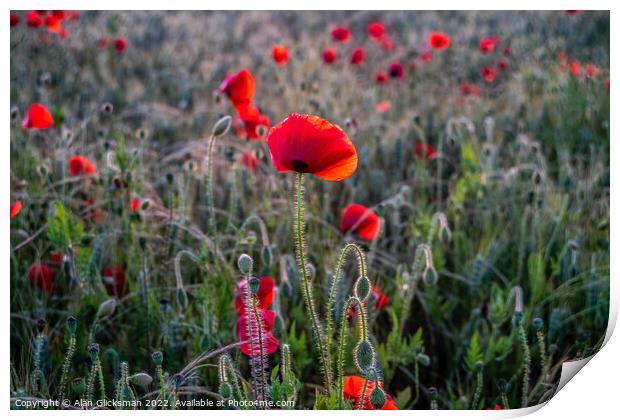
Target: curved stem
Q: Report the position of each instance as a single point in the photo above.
(363, 331)
(307, 290)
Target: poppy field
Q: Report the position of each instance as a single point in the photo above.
(306, 210)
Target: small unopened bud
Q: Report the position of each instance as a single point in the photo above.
(377, 398)
(169, 178)
(93, 351)
(267, 256)
(14, 112)
(502, 385)
(107, 308)
(432, 393)
(261, 130)
(364, 355)
(430, 276)
(71, 325)
(141, 379)
(145, 204)
(311, 271)
(362, 288)
(181, 297)
(225, 390)
(479, 365)
(423, 359)
(537, 323)
(245, 264)
(253, 285)
(158, 358)
(221, 126)
(41, 323)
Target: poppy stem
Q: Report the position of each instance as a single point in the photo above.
(306, 287)
(210, 203)
(342, 342)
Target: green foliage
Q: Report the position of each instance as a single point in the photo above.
(63, 230)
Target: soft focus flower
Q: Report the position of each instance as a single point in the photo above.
(264, 296)
(14, 20)
(381, 300)
(352, 390)
(114, 281)
(469, 89)
(487, 45)
(33, 19)
(309, 144)
(357, 56)
(270, 343)
(592, 71)
(79, 165)
(488, 74)
(103, 43)
(575, 68)
(438, 41)
(120, 44)
(37, 118)
(329, 55)
(376, 31)
(41, 276)
(383, 106)
(380, 77)
(396, 70)
(424, 150)
(239, 87)
(280, 55)
(134, 205)
(57, 257)
(363, 221)
(502, 64)
(426, 56)
(496, 407)
(250, 119)
(16, 207)
(52, 22)
(340, 34)
(249, 161)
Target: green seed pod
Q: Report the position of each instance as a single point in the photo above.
(158, 358)
(364, 355)
(141, 379)
(430, 276)
(362, 288)
(93, 351)
(225, 390)
(423, 359)
(377, 398)
(444, 234)
(537, 323)
(71, 325)
(266, 256)
(245, 264)
(518, 318)
(253, 285)
(502, 385)
(221, 126)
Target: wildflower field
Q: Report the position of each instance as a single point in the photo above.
(306, 210)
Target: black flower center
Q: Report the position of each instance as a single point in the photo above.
(299, 165)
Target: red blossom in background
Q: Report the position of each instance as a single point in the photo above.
(53, 23)
(383, 106)
(340, 34)
(114, 281)
(329, 55)
(41, 276)
(352, 390)
(250, 119)
(14, 20)
(469, 89)
(33, 20)
(380, 78)
(591, 71)
(120, 45)
(396, 70)
(280, 55)
(488, 74)
(363, 221)
(16, 207)
(134, 205)
(501, 64)
(239, 87)
(309, 144)
(438, 41)
(270, 343)
(487, 45)
(426, 56)
(376, 31)
(575, 68)
(264, 295)
(357, 56)
(249, 161)
(381, 300)
(424, 150)
(37, 118)
(80, 165)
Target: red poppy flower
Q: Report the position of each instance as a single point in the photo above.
(249, 120)
(239, 87)
(438, 41)
(14, 20)
(309, 144)
(249, 161)
(502, 64)
(507, 50)
(376, 31)
(79, 165)
(329, 55)
(396, 70)
(426, 56)
(357, 56)
(362, 220)
(575, 68)
(103, 43)
(487, 45)
(134, 205)
(52, 23)
(340, 34)
(497, 407)
(37, 118)
(383, 106)
(41, 276)
(120, 45)
(381, 300)
(352, 390)
(380, 78)
(469, 89)
(33, 19)
(16, 207)
(58, 14)
(270, 343)
(264, 295)
(572, 12)
(488, 74)
(424, 150)
(280, 55)
(114, 281)
(57, 257)
(592, 71)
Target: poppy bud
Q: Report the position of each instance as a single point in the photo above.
(502, 385)
(432, 393)
(145, 204)
(142, 133)
(157, 357)
(377, 398)
(430, 276)
(266, 256)
(536, 177)
(245, 264)
(164, 305)
(141, 379)
(41, 323)
(107, 308)
(537, 323)
(93, 351)
(253, 285)
(178, 380)
(78, 386)
(107, 108)
(71, 325)
(181, 297)
(221, 126)
(362, 288)
(423, 359)
(364, 355)
(479, 365)
(225, 390)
